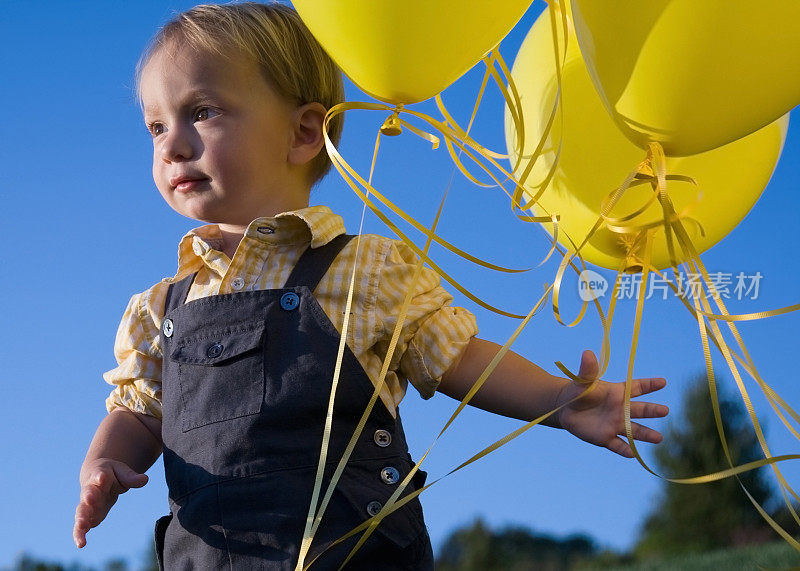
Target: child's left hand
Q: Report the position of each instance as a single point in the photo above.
(598, 418)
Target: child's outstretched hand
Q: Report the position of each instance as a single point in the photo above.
(598, 418)
(102, 481)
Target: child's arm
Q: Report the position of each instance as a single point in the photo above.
(125, 445)
(519, 389)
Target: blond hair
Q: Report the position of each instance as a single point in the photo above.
(277, 40)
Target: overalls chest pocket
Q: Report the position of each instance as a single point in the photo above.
(220, 373)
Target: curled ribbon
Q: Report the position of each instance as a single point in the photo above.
(653, 170)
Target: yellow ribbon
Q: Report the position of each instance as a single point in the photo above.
(393, 125)
(653, 169)
(315, 514)
(395, 502)
(311, 518)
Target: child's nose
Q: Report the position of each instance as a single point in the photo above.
(176, 146)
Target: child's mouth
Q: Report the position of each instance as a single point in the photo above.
(184, 185)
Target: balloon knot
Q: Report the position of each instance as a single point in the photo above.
(392, 127)
(631, 244)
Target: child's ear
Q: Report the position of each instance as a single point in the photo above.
(307, 140)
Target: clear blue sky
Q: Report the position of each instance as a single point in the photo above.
(85, 228)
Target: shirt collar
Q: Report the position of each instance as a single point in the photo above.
(315, 224)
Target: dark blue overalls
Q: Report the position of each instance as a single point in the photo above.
(246, 384)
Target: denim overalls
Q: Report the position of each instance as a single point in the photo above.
(246, 384)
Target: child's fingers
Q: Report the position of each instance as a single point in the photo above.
(86, 517)
(128, 477)
(116, 478)
(80, 529)
(645, 386)
(99, 492)
(643, 433)
(620, 446)
(93, 496)
(94, 506)
(79, 536)
(589, 369)
(102, 479)
(648, 410)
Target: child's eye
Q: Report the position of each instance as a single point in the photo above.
(204, 113)
(155, 128)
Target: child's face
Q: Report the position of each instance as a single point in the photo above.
(221, 135)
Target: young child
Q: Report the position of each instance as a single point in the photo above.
(227, 367)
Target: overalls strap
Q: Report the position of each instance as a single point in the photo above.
(178, 292)
(315, 262)
(246, 383)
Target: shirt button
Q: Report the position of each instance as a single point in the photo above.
(374, 508)
(290, 301)
(382, 438)
(167, 327)
(390, 475)
(214, 350)
(237, 283)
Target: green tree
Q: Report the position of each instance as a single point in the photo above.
(515, 548)
(699, 517)
(28, 562)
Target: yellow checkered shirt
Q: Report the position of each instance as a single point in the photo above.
(433, 337)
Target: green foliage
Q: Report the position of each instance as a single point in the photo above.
(27, 562)
(767, 556)
(701, 517)
(478, 548)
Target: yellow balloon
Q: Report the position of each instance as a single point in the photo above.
(406, 52)
(595, 158)
(692, 75)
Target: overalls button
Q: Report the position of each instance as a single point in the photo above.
(374, 508)
(382, 438)
(237, 283)
(390, 475)
(214, 350)
(167, 327)
(290, 301)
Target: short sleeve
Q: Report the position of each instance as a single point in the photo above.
(434, 333)
(137, 348)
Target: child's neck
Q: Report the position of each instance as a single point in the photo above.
(231, 236)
